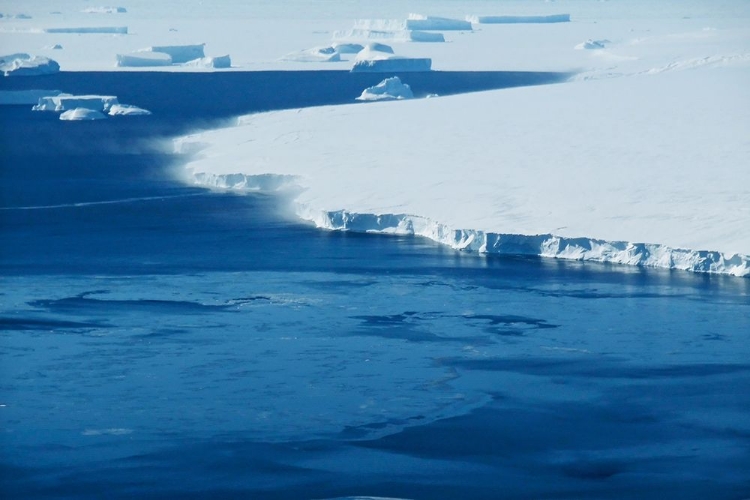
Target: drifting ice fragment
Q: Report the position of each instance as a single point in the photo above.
(592, 44)
(557, 18)
(118, 30)
(316, 54)
(180, 53)
(65, 102)
(218, 62)
(26, 65)
(387, 90)
(143, 59)
(80, 114)
(127, 110)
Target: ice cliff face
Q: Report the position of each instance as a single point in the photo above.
(543, 245)
(483, 242)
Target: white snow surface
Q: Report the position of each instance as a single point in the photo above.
(388, 90)
(82, 114)
(648, 170)
(673, 29)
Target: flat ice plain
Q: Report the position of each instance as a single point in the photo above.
(639, 160)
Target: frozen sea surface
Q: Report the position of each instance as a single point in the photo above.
(164, 341)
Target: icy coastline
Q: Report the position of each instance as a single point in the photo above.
(486, 242)
(516, 181)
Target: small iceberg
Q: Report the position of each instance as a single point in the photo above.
(388, 90)
(67, 102)
(127, 110)
(22, 64)
(592, 44)
(316, 54)
(82, 114)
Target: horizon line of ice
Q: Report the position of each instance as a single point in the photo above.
(555, 18)
(487, 242)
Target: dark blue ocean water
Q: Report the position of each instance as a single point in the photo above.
(159, 340)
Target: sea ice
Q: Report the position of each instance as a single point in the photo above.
(127, 110)
(143, 59)
(387, 90)
(82, 114)
(347, 48)
(396, 36)
(316, 54)
(557, 18)
(118, 30)
(527, 170)
(180, 53)
(104, 10)
(393, 64)
(380, 58)
(592, 44)
(217, 62)
(66, 102)
(22, 64)
(429, 23)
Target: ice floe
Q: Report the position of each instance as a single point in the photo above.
(316, 54)
(22, 64)
(143, 59)
(592, 44)
(415, 22)
(396, 36)
(347, 48)
(179, 53)
(104, 10)
(82, 114)
(556, 18)
(84, 30)
(379, 58)
(65, 102)
(214, 62)
(393, 64)
(387, 90)
(127, 110)
(643, 183)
